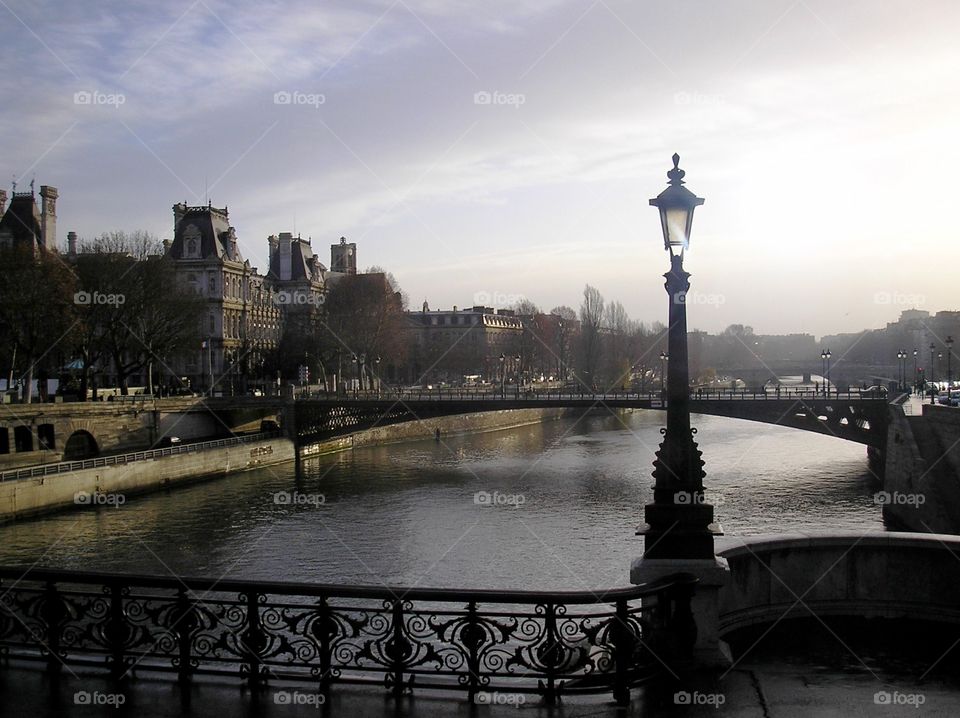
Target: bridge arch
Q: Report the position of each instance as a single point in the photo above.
(80, 445)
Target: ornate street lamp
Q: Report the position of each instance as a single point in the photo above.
(356, 363)
(933, 374)
(679, 524)
(826, 387)
(562, 375)
(503, 377)
(901, 355)
(823, 367)
(915, 375)
(663, 371)
(949, 343)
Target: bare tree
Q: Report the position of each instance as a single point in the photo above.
(364, 319)
(36, 311)
(591, 322)
(616, 346)
(137, 314)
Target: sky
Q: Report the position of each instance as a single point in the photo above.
(490, 151)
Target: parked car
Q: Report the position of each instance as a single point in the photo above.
(875, 390)
(949, 398)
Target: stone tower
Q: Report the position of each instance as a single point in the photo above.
(343, 257)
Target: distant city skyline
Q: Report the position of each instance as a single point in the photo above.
(511, 149)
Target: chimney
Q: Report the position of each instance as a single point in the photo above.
(285, 251)
(271, 249)
(3, 200)
(48, 217)
(72, 244)
(179, 210)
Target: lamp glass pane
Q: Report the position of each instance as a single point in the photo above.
(675, 224)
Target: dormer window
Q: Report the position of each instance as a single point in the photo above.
(191, 242)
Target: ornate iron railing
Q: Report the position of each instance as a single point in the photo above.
(518, 642)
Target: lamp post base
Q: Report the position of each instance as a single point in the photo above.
(708, 651)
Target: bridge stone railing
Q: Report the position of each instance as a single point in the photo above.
(880, 574)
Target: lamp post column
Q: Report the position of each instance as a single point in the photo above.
(679, 530)
(915, 377)
(823, 369)
(678, 522)
(827, 386)
(949, 343)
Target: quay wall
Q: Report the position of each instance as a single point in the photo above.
(921, 478)
(454, 425)
(42, 494)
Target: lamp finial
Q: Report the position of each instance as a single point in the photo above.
(676, 174)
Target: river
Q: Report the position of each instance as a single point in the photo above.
(548, 506)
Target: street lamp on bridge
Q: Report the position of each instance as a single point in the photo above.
(949, 343)
(915, 374)
(679, 523)
(825, 370)
(933, 375)
(901, 368)
(503, 376)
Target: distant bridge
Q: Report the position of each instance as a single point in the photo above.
(853, 416)
(842, 373)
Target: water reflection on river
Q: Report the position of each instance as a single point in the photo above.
(409, 513)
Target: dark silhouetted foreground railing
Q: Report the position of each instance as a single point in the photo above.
(544, 643)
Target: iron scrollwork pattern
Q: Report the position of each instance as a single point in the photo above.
(544, 643)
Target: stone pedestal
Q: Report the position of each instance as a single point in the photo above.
(709, 651)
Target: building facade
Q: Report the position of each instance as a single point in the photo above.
(449, 345)
(246, 312)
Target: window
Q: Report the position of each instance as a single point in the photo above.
(46, 437)
(23, 438)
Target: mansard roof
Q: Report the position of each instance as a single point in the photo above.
(21, 221)
(304, 264)
(204, 233)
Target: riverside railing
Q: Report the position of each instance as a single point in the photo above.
(465, 641)
(120, 459)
